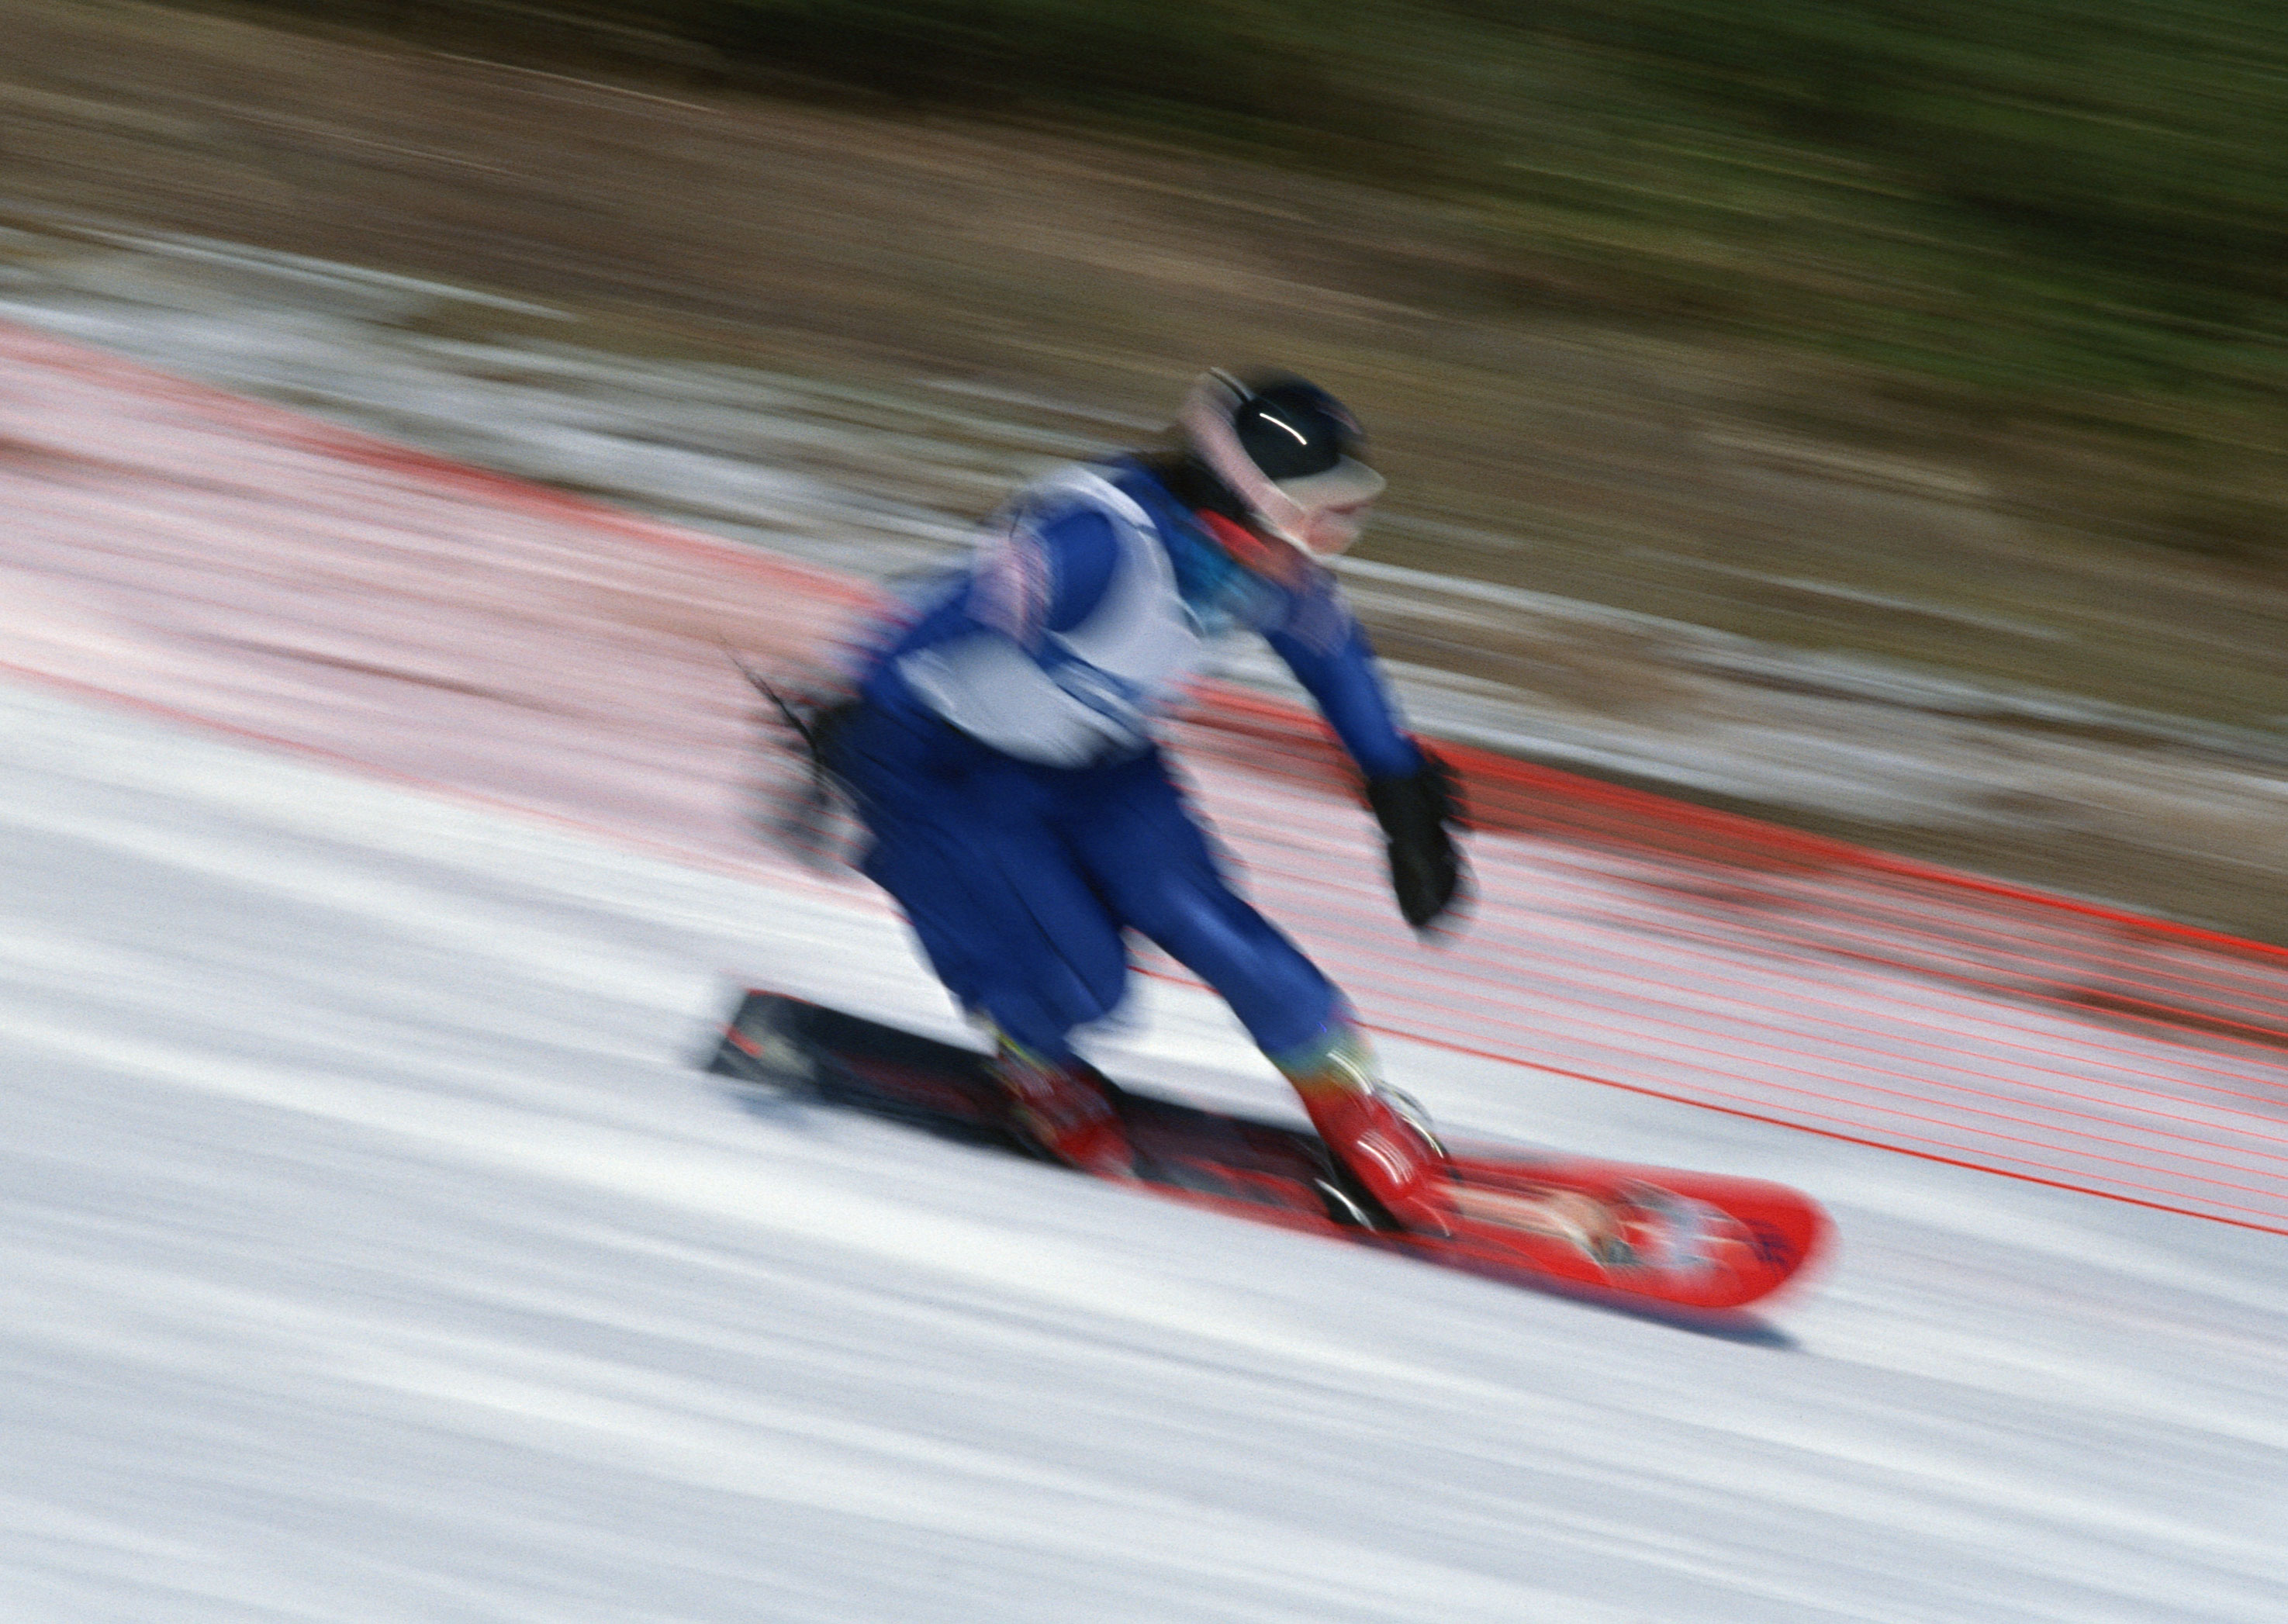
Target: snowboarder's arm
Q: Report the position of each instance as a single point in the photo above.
(1332, 659)
(1410, 791)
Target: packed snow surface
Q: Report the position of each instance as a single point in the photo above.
(375, 1252)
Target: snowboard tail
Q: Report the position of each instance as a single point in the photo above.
(1651, 1236)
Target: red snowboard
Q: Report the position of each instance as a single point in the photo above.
(1644, 1237)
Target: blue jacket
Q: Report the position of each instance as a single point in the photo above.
(1090, 603)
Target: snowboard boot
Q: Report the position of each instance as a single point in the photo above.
(1379, 1135)
(1062, 1109)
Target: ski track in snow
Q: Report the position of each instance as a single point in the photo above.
(376, 1253)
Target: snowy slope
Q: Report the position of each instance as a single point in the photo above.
(374, 1253)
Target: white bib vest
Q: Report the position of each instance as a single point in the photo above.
(1089, 693)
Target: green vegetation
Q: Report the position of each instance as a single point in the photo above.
(2077, 191)
(2067, 213)
(1176, 57)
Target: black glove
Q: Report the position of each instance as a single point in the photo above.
(1426, 870)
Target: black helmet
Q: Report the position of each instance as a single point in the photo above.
(1290, 452)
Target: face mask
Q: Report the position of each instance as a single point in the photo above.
(1332, 531)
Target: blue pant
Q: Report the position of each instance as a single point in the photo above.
(1020, 880)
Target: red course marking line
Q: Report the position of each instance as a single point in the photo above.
(1480, 952)
(289, 427)
(1710, 1099)
(1742, 1018)
(1514, 778)
(1547, 975)
(1484, 766)
(1812, 953)
(1451, 1046)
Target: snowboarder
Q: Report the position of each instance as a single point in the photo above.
(999, 748)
